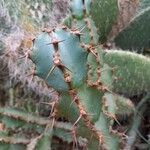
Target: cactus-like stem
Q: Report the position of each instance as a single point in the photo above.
(135, 36)
(87, 78)
(132, 72)
(104, 19)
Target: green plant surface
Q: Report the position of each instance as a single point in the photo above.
(51, 72)
(83, 24)
(92, 68)
(12, 142)
(111, 142)
(67, 109)
(104, 14)
(88, 30)
(85, 95)
(64, 135)
(22, 115)
(90, 99)
(44, 142)
(89, 81)
(72, 53)
(136, 37)
(132, 72)
(77, 8)
(41, 128)
(12, 146)
(143, 4)
(43, 50)
(123, 106)
(91, 104)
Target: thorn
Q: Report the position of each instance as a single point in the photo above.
(89, 48)
(79, 28)
(52, 112)
(109, 91)
(57, 62)
(51, 70)
(78, 120)
(113, 117)
(50, 126)
(33, 40)
(93, 53)
(100, 142)
(55, 42)
(78, 31)
(75, 142)
(82, 28)
(52, 91)
(61, 65)
(68, 69)
(73, 100)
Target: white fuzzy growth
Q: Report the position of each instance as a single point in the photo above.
(19, 69)
(131, 54)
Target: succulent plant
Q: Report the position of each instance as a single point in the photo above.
(92, 82)
(132, 36)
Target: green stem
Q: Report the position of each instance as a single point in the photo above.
(140, 109)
